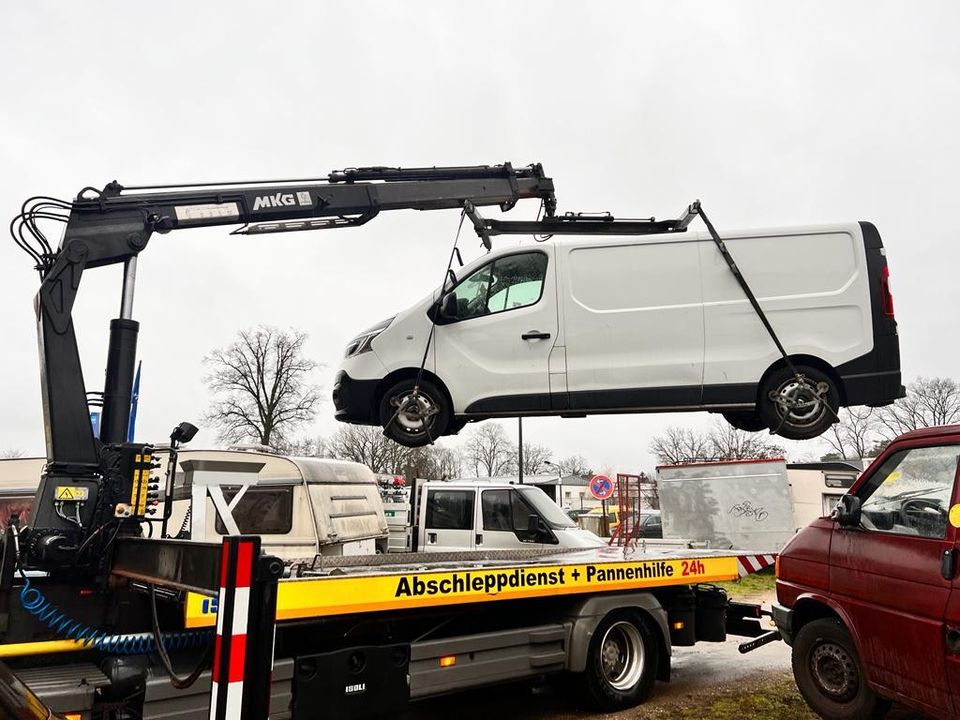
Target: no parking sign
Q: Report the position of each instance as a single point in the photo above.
(601, 487)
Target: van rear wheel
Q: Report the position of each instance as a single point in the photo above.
(414, 416)
(798, 406)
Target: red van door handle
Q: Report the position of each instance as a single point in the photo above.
(953, 640)
(535, 335)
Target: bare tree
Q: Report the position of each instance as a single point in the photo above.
(575, 465)
(260, 386)
(305, 447)
(534, 455)
(928, 402)
(11, 453)
(729, 443)
(855, 436)
(368, 445)
(489, 452)
(676, 446)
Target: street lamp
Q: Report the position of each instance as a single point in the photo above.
(559, 482)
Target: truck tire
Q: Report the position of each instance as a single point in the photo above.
(414, 420)
(828, 674)
(798, 410)
(621, 663)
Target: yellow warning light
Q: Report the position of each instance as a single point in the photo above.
(73, 716)
(448, 661)
(678, 625)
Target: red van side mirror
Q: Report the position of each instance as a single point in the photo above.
(847, 512)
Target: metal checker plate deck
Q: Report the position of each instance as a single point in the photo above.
(357, 585)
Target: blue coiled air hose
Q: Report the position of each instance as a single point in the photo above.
(36, 603)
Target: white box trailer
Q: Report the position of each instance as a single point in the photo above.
(748, 503)
(738, 504)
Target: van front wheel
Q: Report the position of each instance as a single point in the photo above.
(798, 406)
(414, 416)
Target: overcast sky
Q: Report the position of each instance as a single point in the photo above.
(772, 113)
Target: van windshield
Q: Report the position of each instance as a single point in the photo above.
(546, 508)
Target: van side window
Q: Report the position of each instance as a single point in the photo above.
(261, 510)
(450, 510)
(507, 283)
(910, 493)
(506, 511)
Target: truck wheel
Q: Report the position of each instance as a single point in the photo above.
(748, 421)
(621, 663)
(414, 419)
(798, 409)
(828, 674)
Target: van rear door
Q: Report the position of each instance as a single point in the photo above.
(448, 519)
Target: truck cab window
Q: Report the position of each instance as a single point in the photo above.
(910, 493)
(450, 510)
(261, 510)
(507, 283)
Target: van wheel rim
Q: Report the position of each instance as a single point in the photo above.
(835, 672)
(800, 402)
(622, 656)
(415, 412)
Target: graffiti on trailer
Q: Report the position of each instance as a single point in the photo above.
(746, 509)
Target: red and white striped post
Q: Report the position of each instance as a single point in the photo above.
(246, 616)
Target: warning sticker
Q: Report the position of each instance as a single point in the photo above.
(316, 597)
(71, 492)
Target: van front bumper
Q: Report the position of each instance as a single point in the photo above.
(354, 400)
(783, 617)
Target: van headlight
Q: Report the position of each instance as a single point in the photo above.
(361, 343)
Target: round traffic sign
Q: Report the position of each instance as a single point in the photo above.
(601, 487)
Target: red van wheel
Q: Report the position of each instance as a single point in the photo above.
(827, 670)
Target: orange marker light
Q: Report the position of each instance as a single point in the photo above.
(678, 625)
(448, 661)
(73, 716)
(776, 567)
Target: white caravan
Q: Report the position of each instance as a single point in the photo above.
(582, 325)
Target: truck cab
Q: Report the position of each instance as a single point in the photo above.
(869, 598)
(479, 515)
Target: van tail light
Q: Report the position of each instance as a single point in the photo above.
(886, 298)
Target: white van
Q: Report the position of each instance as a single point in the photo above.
(485, 515)
(582, 325)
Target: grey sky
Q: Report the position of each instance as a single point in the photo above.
(772, 113)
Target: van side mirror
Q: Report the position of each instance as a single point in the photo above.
(449, 309)
(847, 513)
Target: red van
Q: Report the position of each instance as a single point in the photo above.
(869, 599)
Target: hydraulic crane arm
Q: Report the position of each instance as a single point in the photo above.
(114, 226)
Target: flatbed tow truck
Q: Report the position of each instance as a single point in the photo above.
(102, 615)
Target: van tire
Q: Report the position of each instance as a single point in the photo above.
(400, 413)
(622, 663)
(828, 673)
(748, 421)
(818, 397)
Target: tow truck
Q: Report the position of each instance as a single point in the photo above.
(104, 615)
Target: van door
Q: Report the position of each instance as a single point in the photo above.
(886, 575)
(633, 325)
(494, 355)
(505, 521)
(448, 520)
